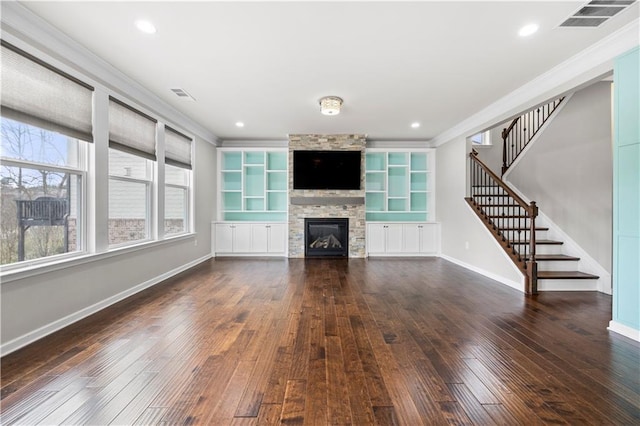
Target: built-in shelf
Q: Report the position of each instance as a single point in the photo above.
(398, 185)
(253, 185)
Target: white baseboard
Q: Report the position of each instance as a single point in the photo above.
(624, 330)
(587, 263)
(513, 284)
(59, 324)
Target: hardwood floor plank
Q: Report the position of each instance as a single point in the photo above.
(376, 387)
(330, 341)
(294, 402)
(57, 399)
(338, 402)
(151, 416)
(385, 416)
(474, 410)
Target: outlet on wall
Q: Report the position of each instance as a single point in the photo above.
(195, 242)
(466, 245)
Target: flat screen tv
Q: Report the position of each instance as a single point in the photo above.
(326, 169)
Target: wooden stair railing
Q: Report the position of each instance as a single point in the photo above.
(507, 216)
(522, 130)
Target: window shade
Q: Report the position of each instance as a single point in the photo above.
(177, 149)
(37, 94)
(131, 131)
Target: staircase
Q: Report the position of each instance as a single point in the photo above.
(512, 222)
(522, 130)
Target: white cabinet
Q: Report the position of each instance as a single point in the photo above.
(268, 238)
(402, 239)
(421, 238)
(384, 238)
(264, 239)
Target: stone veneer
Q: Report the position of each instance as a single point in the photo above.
(332, 207)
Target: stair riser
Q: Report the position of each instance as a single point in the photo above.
(549, 249)
(540, 235)
(558, 265)
(510, 222)
(567, 285)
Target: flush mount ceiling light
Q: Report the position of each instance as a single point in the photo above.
(527, 30)
(239, 124)
(145, 26)
(415, 125)
(330, 105)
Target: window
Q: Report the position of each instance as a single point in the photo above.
(482, 138)
(46, 126)
(132, 154)
(46, 119)
(176, 200)
(177, 182)
(129, 197)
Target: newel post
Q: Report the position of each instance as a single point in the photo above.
(505, 135)
(532, 265)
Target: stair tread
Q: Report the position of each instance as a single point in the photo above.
(508, 216)
(542, 257)
(566, 275)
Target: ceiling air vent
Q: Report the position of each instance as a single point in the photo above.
(181, 93)
(596, 12)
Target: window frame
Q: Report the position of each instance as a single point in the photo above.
(80, 170)
(150, 204)
(187, 202)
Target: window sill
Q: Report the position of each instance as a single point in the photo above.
(27, 271)
(481, 146)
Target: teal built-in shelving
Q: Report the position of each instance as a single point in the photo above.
(253, 185)
(398, 185)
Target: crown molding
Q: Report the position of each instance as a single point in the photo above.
(33, 34)
(577, 72)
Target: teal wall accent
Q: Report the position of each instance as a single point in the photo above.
(626, 191)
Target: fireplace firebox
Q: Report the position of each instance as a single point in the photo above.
(326, 237)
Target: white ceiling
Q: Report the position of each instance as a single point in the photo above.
(267, 63)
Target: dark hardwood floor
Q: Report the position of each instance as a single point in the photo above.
(328, 341)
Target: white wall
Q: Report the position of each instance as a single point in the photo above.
(460, 225)
(568, 171)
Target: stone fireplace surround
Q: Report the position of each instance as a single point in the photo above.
(327, 203)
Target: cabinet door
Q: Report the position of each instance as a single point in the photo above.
(277, 238)
(412, 237)
(242, 238)
(259, 238)
(429, 239)
(224, 238)
(394, 237)
(376, 238)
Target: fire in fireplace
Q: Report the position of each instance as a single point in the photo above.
(326, 237)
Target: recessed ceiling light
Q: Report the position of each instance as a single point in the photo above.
(415, 125)
(528, 29)
(145, 26)
(239, 124)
